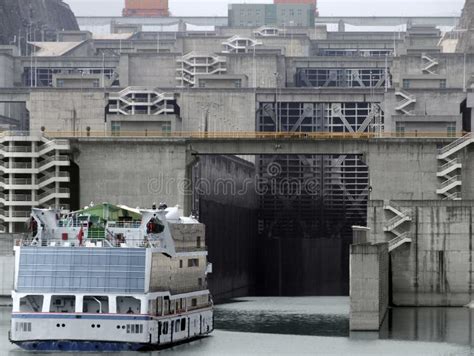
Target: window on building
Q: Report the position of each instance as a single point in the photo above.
(202, 84)
(406, 83)
(166, 127)
(400, 129)
(442, 84)
(193, 262)
(96, 83)
(194, 302)
(183, 324)
(115, 126)
(180, 263)
(238, 84)
(60, 83)
(165, 328)
(451, 130)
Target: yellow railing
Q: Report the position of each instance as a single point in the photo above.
(249, 135)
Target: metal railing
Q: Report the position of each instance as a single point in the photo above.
(397, 240)
(453, 196)
(395, 219)
(449, 164)
(456, 143)
(450, 181)
(18, 165)
(254, 135)
(59, 175)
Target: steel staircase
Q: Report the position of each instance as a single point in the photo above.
(33, 304)
(429, 64)
(405, 103)
(449, 168)
(394, 224)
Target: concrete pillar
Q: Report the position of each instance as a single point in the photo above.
(79, 303)
(369, 273)
(112, 305)
(182, 26)
(341, 26)
(191, 160)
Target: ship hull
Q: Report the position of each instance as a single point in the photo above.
(79, 346)
(94, 346)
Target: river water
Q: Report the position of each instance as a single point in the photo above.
(313, 326)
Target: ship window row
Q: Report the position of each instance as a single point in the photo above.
(134, 329)
(192, 262)
(25, 327)
(177, 326)
(90, 304)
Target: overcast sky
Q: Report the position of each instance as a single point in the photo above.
(326, 7)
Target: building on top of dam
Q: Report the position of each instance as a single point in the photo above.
(263, 76)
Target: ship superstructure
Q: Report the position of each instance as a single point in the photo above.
(110, 278)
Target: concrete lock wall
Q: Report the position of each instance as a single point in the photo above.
(223, 111)
(67, 110)
(435, 269)
(7, 266)
(369, 294)
(6, 70)
(131, 172)
(149, 70)
(260, 70)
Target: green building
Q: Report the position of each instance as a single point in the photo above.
(256, 15)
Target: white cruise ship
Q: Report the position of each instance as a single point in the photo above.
(111, 278)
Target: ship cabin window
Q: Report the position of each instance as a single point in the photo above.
(96, 305)
(198, 242)
(31, 304)
(25, 327)
(165, 328)
(194, 302)
(193, 262)
(134, 329)
(62, 304)
(183, 324)
(128, 305)
(177, 326)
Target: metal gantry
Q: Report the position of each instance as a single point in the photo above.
(315, 195)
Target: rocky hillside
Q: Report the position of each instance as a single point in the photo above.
(465, 43)
(38, 17)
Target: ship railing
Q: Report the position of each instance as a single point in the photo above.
(124, 225)
(191, 249)
(121, 243)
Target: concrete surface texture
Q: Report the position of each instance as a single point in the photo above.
(369, 281)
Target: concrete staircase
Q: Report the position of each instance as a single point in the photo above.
(405, 103)
(429, 64)
(394, 227)
(450, 168)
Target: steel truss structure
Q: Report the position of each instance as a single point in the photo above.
(342, 77)
(315, 195)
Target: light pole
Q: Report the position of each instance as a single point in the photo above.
(277, 104)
